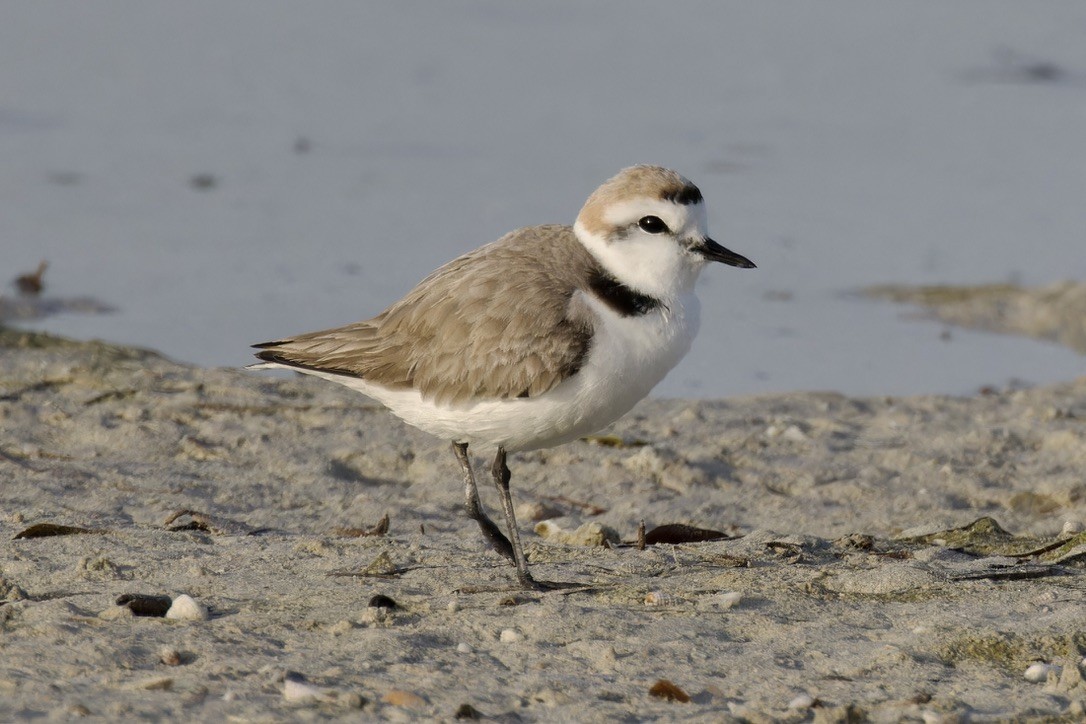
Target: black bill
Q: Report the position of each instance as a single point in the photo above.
(715, 252)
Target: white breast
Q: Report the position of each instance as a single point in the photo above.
(627, 358)
(630, 355)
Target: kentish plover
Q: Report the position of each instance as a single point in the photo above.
(541, 337)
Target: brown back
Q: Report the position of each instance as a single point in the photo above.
(499, 322)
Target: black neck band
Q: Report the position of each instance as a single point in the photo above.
(620, 297)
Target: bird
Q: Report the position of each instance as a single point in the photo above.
(542, 337)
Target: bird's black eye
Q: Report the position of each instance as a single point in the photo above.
(652, 225)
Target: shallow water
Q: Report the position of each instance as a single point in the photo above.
(223, 175)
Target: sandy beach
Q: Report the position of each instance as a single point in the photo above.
(887, 558)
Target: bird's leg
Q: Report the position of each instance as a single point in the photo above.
(500, 471)
(471, 498)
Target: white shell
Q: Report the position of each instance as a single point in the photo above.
(185, 608)
(662, 598)
(548, 529)
(1039, 670)
(296, 690)
(802, 701)
(727, 599)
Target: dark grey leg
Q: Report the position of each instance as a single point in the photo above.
(471, 498)
(500, 471)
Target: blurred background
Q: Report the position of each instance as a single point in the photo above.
(221, 174)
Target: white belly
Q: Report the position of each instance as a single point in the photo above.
(627, 358)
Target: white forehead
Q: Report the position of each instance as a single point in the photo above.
(681, 219)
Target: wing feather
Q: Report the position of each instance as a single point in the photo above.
(499, 322)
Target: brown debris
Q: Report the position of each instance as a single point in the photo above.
(664, 689)
(382, 601)
(216, 525)
(143, 604)
(672, 533)
(380, 529)
(381, 567)
(31, 284)
(614, 441)
(44, 530)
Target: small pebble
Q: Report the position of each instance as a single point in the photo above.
(467, 711)
(591, 533)
(1071, 527)
(377, 615)
(1038, 671)
(295, 688)
(537, 511)
(185, 608)
(728, 599)
(382, 601)
(802, 701)
(454, 606)
(157, 683)
(464, 648)
(406, 699)
(510, 635)
(793, 433)
(169, 656)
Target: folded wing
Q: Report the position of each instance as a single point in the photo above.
(503, 321)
